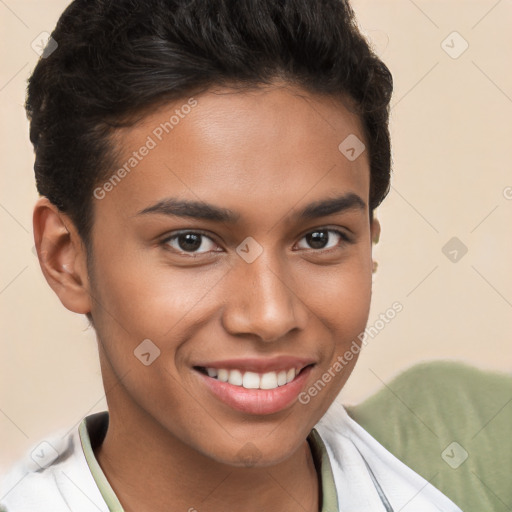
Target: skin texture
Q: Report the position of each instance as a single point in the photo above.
(264, 154)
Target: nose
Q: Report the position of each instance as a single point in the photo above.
(263, 300)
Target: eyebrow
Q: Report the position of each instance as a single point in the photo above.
(205, 211)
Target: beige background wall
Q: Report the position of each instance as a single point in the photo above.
(452, 139)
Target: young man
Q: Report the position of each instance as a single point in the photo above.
(209, 173)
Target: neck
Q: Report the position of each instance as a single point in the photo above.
(150, 470)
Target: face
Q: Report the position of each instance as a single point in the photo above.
(238, 246)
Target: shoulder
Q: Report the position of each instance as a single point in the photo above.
(365, 472)
(52, 477)
(449, 422)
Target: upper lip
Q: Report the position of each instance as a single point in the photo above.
(260, 365)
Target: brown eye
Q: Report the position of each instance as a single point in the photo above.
(317, 239)
(322, 239)
(190, 242)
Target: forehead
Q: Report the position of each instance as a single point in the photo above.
(242, 149)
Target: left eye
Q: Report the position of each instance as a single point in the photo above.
(324, 239)
(190, 242)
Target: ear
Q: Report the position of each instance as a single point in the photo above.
(375, 230)
(62, 256)
(375, 235)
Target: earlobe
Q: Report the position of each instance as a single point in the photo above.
(375, 235)
(62, 256)
(375, 231)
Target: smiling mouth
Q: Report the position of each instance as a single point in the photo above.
(253, 380)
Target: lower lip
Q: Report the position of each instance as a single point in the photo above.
(257, 401)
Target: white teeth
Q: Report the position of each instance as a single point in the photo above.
(268, 381)
(253, 380)
(235, 377)
(281, 378)
(223, 375)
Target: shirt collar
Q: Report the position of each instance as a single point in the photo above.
(93, 428)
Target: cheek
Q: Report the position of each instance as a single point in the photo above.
(340, 295)
(341, 306)
(342, 310)
(146, 297)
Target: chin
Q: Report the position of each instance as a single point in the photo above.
(257, 454)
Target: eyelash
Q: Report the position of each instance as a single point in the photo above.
(345, 239)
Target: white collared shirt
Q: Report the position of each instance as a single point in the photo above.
(358, 474)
